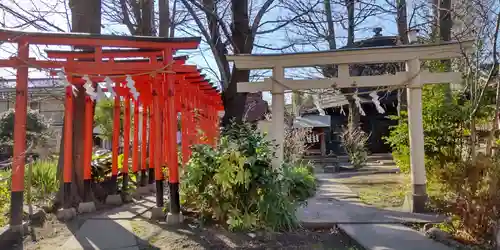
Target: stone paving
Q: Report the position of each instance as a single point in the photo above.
(373, 228)
(110, 230)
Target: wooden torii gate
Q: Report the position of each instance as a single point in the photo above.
(143, 72)
(413, 79)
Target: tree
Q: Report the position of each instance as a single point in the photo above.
(103, 118)
(402, 23)
(239, 37)
(37, 130)
(310, 27)
(137, 15)
(86, 18)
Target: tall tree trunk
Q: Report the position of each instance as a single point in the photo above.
(330, 70)
(172, 19)
(353, 110)
(435, 19)
(164, 10)
(234, 102)
(402, 21)
(350, 22)
(86, 18)
(495, 73)
(445, 25)
(146, 27)
(331, 27)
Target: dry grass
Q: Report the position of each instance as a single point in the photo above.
(380, 190)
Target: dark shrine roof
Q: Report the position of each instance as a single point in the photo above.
(377, 41)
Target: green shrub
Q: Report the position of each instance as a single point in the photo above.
(4, 196)
(44, 182)
(101, 170)
(301, 180)
(445, 128)
(235, 184)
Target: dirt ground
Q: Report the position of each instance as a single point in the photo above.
(158, 236)
(153, 236)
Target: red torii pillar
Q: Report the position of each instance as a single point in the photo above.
(68, 144)
(135, 144)
(172, 163)
(126, 143)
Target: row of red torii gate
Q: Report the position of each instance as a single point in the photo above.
(154, 86)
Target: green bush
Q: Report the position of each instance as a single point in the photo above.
(44, 182)
(4, 196)
(101, 170)
(44, 185)
(301, 180)
(235, 184)
(444, 125)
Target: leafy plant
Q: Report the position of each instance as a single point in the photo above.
(4, 196)
(444, 126)
(301, 181)
(235, 184)
(44, 181)
(354, 141)
(104, 116)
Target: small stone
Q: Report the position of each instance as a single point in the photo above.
(143, 190)
(127, 198)
(157, 214)
(152, 188)
(252, 235)
(66, 214)
(330, 169)
(38, 217)
(114, 199)
(438, 234)
(174, 219)
(427, 227)
(86, 207)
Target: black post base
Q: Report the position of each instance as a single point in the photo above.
(137, 179)
(151, 176)
(67, 195)
(144, 178)
(114, 184)
(86, 190)
(16, 208)
(159, 194)
(419, 198)
(125, 182)
(175, 204)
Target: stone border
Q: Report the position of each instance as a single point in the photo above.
(9, 235)
(328, 225)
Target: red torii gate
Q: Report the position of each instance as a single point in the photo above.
(165, 85)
